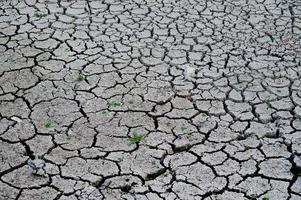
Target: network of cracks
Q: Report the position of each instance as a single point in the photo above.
(150, 99)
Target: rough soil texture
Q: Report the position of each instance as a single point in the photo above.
(150, 100)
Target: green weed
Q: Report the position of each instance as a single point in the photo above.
(183, 129)
(80, 77)
(135, 138)
(113, 104)
(48, 124)
(40, 15)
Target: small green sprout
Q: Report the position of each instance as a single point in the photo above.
(183, 129)
(34, 68)
(48, 124)
(113, 104)
(80, 77)
(135, 138)
(40, 15)
(265, 198)
(153, 163)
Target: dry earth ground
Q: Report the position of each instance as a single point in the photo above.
(150, 100)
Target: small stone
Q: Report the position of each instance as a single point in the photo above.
(16, 119)
(190, 73)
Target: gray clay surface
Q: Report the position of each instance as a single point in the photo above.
(150, 99)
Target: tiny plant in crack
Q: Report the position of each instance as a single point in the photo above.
(153, 163)
(40, 15)
(113, 104)
(265, 198)
(135, 138)
(184, 130)
(48, 124)
(80, 77)
(34, 69)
